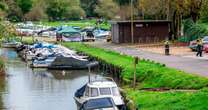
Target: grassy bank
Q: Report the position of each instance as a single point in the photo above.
(80, 23)
(2, 67)
(149, 74)
(170, 100)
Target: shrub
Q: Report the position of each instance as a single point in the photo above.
(192, 31)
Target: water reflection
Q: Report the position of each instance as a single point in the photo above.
(39, 89)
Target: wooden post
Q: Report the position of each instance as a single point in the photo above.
(132, 22)
(136, 60)
(89, 72)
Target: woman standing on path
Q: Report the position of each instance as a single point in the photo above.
(199, 47)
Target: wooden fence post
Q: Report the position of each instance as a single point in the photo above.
(136, 61)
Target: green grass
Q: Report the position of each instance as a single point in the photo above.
(26, 40)
(170, 100)
(80, 23)
(2, 67)
(149, 74)
(2, 64)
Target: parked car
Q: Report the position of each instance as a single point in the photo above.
(99, 104)
(193, 44)
(206, 48)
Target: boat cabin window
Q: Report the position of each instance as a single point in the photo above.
(87, 91)
(105, 91)
(94, 92)
(115, 91)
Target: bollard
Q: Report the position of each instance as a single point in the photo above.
(167, 48)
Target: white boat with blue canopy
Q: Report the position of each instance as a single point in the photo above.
(100, 88)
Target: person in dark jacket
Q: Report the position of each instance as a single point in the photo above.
(199, 48)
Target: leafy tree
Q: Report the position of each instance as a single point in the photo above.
(195, 7)
(25, 5)
(37, 13)
(74, 11)
(89, 7)
(7, 30)
(204, 12)
(14, 12)
(107, 9)
(56, 9)
(123, 2)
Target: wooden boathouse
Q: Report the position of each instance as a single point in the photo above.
(145, 31)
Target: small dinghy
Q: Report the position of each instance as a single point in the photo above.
(98, 89)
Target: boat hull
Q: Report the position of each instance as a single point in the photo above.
(74, 66)
(9, 45)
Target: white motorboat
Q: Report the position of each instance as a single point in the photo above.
(99, 89)
(12, 44)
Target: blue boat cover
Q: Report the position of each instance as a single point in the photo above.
(98, 104)
(44, 45)
(80, 92)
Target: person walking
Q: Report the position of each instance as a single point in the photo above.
(199, 47)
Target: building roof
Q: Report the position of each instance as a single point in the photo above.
(139, 21)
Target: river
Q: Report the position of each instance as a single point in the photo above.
(39, 89)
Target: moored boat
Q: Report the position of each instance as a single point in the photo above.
(42, 63)
(99, 89)
(10, 44)
(72, 63)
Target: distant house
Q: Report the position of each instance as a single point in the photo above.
(68, 34)
(145, 31)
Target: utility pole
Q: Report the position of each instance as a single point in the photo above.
(132, 22)
(168, 10)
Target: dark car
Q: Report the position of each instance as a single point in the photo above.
(99, 104)
(193, 44)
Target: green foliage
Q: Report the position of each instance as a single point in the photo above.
(25, 5)
(80, 23)
(3, 6)
(56, 9)
(170, 100)
(2, 64)
(107, 9)
(74, 13)
(123, 2)
(204, 12)
(7, 30)
(193, 30)
(89, 7)
(64, 10)
(149, 74)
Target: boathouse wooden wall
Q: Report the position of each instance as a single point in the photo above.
(144, 31)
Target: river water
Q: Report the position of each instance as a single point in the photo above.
(39, 89)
